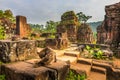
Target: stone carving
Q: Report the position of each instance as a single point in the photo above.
(22, 28)
(47, 55)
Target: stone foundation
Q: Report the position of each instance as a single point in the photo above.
(27, 71)
(57, 43)
(11, 51)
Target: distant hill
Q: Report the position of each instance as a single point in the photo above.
(94, 25)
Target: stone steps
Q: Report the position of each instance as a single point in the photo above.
(96, 76)
(72, 53)
(84, 61)
(67, 58)
(101, 64)
(81, 68)
(98, 70)
(91, 68)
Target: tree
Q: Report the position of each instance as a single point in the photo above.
(7, 21)
(1, 13)
(37, 28)
(51, 26)
(82, 17)
(7, 14)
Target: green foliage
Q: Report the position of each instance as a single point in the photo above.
(1, 63)
(1, 13)
(95, 52)
(88, 47)
(2, 77)
(82, 17)
(72, 75)
(2, 32)
(52, 36)
(37, 28)
(50, 27)
(8, 15)
(69, 18)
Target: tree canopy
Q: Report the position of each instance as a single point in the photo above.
(50, 27)
(7, 14)
(82, 17)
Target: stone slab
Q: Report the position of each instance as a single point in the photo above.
(28, 71)
(67, 58)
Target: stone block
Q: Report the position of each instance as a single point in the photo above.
(27, 71)
(11, 51)
(57, 43)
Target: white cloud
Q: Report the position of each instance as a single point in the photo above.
(40, 11)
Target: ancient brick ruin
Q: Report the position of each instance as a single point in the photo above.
(75, 31)
(70, 23)
(85, 34)
(109, 31)
(60, 42)
(22, 28)
(11, 51)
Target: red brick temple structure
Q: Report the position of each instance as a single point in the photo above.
(74, 29)
(22, 28)
(109, 31)
(70, 22)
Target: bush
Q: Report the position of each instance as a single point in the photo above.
(95, 52)
(2, 32)
(72, 75)
(2, 77)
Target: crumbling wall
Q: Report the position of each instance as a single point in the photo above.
(57, 43)
(11, 51)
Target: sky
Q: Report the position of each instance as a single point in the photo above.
(40, 11)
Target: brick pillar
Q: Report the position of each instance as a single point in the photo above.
(21, 26)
